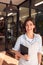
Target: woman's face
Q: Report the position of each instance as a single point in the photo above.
(29, 26)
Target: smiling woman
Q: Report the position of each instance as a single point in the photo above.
(30, 40)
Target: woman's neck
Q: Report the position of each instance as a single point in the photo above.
(30, 35)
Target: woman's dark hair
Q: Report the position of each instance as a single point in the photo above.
(28, 19)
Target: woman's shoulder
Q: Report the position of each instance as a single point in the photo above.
(21, 36)
(37, 35)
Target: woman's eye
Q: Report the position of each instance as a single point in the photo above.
(30, 24)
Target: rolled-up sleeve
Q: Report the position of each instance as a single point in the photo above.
(17, 45)
(40, 44)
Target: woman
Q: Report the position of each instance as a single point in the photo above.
(32, 41)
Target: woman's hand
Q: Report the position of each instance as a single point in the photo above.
(18, 55)
(25, 57)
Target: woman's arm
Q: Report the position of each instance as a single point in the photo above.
(18, 55)
(39, 58)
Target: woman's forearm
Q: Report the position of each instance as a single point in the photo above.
(18, 55)
(39, 58)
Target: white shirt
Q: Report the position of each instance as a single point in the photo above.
(34, 46)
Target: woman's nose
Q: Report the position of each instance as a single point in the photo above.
(28, 26)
